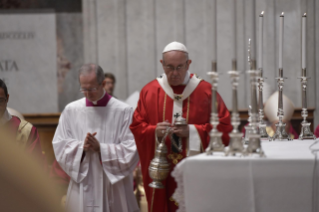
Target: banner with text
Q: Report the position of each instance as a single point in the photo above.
(28, 61)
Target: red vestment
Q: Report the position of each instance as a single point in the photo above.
(151, 110)
(33, 145)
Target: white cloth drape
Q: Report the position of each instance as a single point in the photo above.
(283, 181)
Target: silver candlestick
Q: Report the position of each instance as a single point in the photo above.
(262, 126)
(280, 133)
(254, 143)
(235, 144)
(305, 126)
(248, 127)
(215, 144)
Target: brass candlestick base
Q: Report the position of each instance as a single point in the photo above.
(235, 144)
(262, 126)
(215, 144)
(254, 145)
(281, 133)
(305, 126)
(305, 131)
(248, 128)
(262, 131)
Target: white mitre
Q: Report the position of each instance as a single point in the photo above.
(175, 46)
(268, 90)
(271, 108)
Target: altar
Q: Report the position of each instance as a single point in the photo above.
(285, 180)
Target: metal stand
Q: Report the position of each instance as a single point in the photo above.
(248, 128)
(254, 143)
(262, 126)
(216, 144)
(280, 133)
(235, 144)
(305, 126)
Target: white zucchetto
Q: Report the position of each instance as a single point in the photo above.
(271, 108)
(175, 46)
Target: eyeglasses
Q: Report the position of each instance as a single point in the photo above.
(84, 90)
(3, 100)
(178, 68)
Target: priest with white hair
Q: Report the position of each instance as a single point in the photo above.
(95, 147)
(176, 93)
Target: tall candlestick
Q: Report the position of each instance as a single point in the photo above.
(303, 42)
(281, 38)
(214, 66)
(214, 32)
(234, 45)
(260, 53)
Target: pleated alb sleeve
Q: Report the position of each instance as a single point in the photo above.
(120, 157)
(69, 150)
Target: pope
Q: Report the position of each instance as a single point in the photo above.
(176, 93)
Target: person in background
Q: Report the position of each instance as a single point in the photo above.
(109, 83)
(23, 132)
(316, 133)
(271, 108)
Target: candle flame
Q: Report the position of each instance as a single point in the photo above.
(305, 15)
(261, 14)
(282, 14)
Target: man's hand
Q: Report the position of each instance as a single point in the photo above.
(181, 131)
(91, 143)
(161, 128)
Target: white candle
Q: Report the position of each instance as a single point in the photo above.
(260, 53)
(214, 31)
(281, 38)
(234, 50)
(303, 42)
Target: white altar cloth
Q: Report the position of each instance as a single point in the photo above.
(283, 181)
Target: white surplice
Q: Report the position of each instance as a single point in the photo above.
(96, 185)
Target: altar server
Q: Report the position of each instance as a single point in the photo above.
(95, 147)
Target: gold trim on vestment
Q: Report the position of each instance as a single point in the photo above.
(164, 106)
(23, 133)
(175, 157)
(173, 200)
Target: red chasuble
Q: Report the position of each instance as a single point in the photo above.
(156, 106)
(33, 145)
